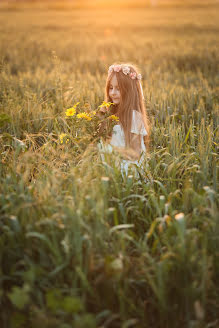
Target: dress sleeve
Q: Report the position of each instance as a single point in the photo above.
(137, 124)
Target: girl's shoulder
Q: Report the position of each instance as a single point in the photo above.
(137, 123)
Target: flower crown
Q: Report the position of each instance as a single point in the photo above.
(126, 70)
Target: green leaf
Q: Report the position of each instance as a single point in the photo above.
(187, 135)
(4, 118)
(72, 304)
(54, 299)
(43, 238)
(87, 320)
(19, 296)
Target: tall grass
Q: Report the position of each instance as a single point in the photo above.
(82, 246)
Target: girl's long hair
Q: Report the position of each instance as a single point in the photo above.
(130, 98)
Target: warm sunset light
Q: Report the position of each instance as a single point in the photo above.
(108, 164)
(77, 4)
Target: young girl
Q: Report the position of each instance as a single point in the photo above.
(131, 135)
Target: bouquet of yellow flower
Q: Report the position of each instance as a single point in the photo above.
(87, 125)
(107, 120)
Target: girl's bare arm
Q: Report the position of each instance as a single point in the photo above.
(135, 145)
(134, 151)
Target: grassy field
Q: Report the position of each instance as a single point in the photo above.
(79, 245)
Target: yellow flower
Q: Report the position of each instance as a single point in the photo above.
(62, 136)
(106, 104)
(70, 111)
(93, 113)
(84, 115)
(114, 118)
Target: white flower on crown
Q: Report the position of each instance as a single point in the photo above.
(111, 68)
(126, 70)
(117, 68)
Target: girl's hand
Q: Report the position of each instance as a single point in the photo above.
(101, 112)
(102, 127)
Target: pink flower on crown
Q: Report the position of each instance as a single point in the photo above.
(139, 76)
(133, 75)
(126, 70)
(117, 68)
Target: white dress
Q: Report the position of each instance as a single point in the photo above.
(118, 140)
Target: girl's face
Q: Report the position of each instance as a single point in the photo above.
(114, 92)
